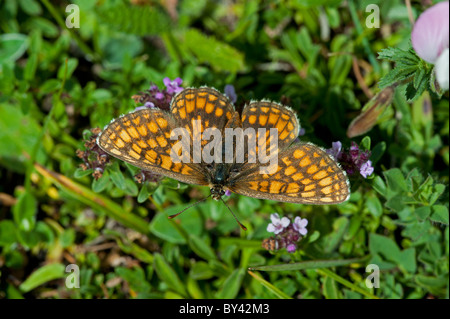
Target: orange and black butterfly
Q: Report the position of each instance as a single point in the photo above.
(304, 173)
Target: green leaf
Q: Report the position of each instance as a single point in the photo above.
(407, 260)
(12, 46)
(232, 285)
(310, 264)
(201, 271)
(31, 7)
(67, 238)
(7, 232)
(137, 251)
(166, 273)
(374, 206)
(135, 278)
(433, 282)
(24, 211)
(365, 143)
(13, 293)
(276, 291)
(42, 275)
(439, 214)
(332, 240)
(200, 247)
(99, 185)
(423, 212)
(80, 173)
(137, 20)
(385, 246)
(379, 185)
(377, 152)
(330, 289)
(30, 68)
(395, 180)
(72, 64)
(219, 55)
(164, 228)
(116, 175)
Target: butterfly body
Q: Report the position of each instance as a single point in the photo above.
(301, 173)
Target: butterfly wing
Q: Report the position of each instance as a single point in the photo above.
(275, 119)
(205, 106)
(304, 173)
(142, 138)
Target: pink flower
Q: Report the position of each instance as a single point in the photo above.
(430, 40)
(291, 248)
(278, 224)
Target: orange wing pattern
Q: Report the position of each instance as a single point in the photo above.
(142, 138)
(305, 174)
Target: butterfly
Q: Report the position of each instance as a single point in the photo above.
(302, 173)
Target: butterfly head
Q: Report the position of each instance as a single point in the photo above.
(219, 177)
(217, 192)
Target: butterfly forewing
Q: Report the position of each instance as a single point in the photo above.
(142, 138)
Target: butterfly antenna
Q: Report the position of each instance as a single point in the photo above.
(192, 205)
(237, 220)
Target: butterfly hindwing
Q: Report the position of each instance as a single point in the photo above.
(304, 173)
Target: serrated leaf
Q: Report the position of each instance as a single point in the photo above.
(395, 180)
(439, 214)
(208, 49)
(384, 246)
(138, 20)
(423, 212)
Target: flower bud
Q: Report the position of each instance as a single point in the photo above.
(371, 112)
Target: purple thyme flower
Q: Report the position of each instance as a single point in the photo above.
(366, 169)
(277, 224)
(173, 86)
(335, 149)
(228, 192)
(231, 93)
(353, 160)
(154, 97)
(299, 225)
(291, 248)
(301, 132)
